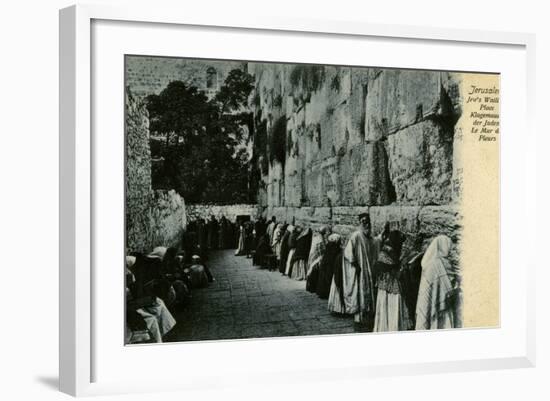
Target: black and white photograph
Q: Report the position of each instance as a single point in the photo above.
(276, 199)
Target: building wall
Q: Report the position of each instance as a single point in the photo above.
(153, 218)
(150, 75)
(360, 139)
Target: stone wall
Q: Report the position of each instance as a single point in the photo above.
(196, 211)
(168, 218)
(153, 218)
(138, 175)
(150, 75)
(359, 139)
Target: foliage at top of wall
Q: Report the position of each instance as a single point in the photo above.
(310, 77)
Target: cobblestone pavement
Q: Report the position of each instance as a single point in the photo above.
(245, 301)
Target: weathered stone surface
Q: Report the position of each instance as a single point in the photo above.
(348, 215)
(365, 140)
(168, 219)
(403, 218)
(322, 214)
(398, 98)
(420, 164)
(153, 218)
(138, 175)
(357, 105)
(436, 220)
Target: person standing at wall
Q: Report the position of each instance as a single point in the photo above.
(318, 245)
(284, 249)
(212, 233)
(358, 283)
(271, 228)
(223, 233)
(439, 295)
(392, 313)
(298, 269)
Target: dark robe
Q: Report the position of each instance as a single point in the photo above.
(189, 244)
(262, 249)
(409, 280)
(284, 251)
(212, 233)
(249, 239)
(260, 227)
(331, 266)
(223, 234)
(145, 270)
(202, 240)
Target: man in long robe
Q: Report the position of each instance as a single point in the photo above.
(358, 284)
(212, 233)
(222, 233)
(271, 228)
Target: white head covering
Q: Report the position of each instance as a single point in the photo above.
(438, 249)
(130, 261)
(334, 237)
(435, 285)
(158, 252)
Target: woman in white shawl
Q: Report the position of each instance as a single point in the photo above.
(294, 234)
(240, 246)
(437, 295)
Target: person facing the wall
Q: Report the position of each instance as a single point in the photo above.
(391, 310)
(439, 294)
(358, 283)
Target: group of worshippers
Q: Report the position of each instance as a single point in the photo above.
(368, 276)
(157, 285)
(203, 235)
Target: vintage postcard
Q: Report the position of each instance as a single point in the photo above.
(276, 199)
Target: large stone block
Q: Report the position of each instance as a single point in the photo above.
(369, 175)
(420, 164)
(346, 215)
(403, 218)
(398, 98)
(436, 220)
(168, 219)
(322, 215)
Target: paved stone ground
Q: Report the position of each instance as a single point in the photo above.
(245, 301)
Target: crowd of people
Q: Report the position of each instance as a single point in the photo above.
(157, 285)
(368, 276)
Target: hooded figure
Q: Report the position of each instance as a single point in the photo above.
(298, 265)
(284, 248)
(439, 288)
(318, 246)
(292, 242)
(329, 284)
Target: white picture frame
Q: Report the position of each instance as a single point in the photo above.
(80, 348)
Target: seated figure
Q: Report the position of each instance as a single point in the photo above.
(198, 276)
